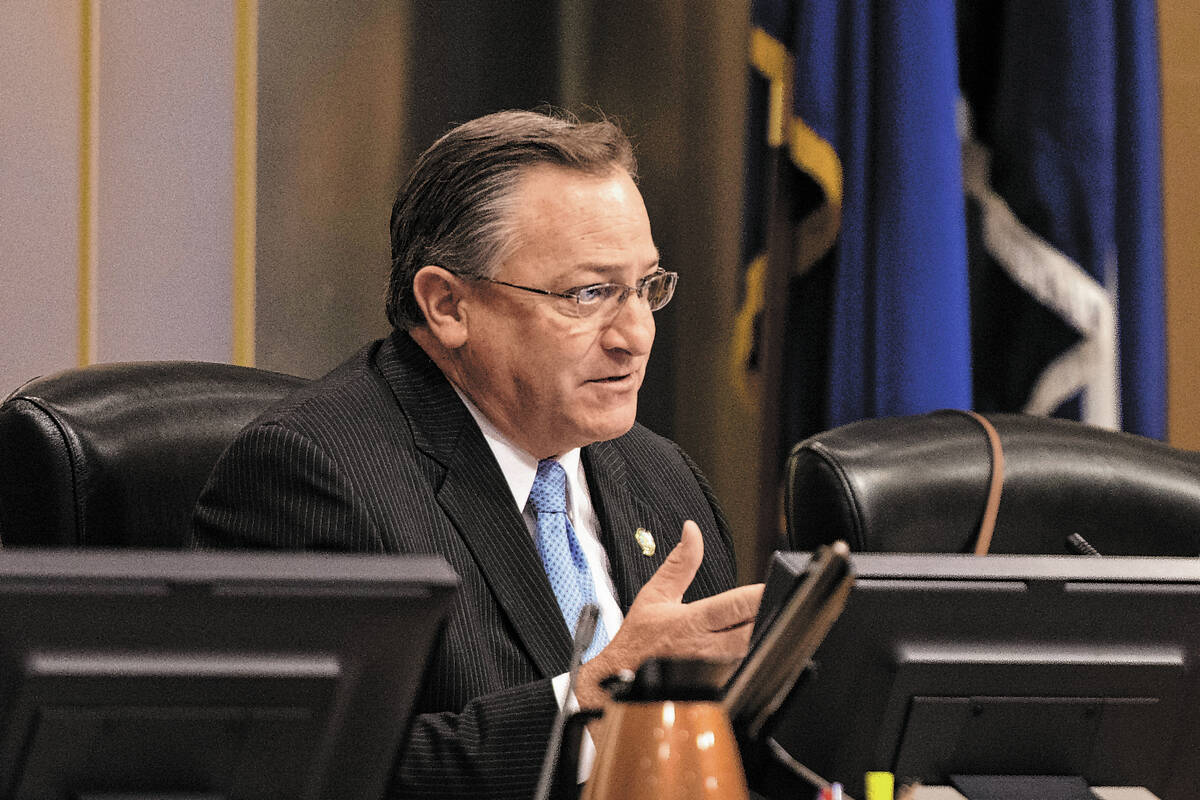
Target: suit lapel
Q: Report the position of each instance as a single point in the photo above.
(476, 498)
(621, 513)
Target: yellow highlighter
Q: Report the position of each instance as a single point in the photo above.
(880, 785)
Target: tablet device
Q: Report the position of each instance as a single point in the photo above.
(796, 612)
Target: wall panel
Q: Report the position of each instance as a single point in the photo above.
(1179, 24)
(165, 168)
(331, 122)
(39, 173)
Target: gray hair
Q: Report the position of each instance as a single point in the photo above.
(454, 209)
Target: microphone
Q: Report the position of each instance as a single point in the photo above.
(1081, 545)
(585, 629)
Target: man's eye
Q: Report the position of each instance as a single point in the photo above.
(587, 295)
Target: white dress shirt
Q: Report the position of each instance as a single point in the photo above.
(519, 470)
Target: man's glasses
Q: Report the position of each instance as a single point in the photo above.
(656, 289)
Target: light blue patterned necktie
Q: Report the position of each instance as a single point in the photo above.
(562, 557)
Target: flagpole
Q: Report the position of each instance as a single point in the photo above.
(770, 527)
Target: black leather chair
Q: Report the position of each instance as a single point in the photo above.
(920, 484)
(115, 455)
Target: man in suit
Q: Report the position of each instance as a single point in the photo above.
(524, 281)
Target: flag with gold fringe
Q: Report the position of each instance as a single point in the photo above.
(952, 207)
(857, 101)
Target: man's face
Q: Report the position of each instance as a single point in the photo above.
(548, 380)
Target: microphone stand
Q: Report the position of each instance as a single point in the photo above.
(585, 629)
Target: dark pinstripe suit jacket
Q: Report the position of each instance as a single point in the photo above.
(381, 456)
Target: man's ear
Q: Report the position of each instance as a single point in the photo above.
(439, 293)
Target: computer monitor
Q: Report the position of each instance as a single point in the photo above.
(946, 665)
(216, 675)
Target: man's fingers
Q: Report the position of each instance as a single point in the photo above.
(729, 609)
(675, 574)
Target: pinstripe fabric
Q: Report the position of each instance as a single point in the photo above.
(381, 456)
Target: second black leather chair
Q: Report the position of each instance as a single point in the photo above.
(920, 484)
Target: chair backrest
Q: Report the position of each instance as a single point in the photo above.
(116, 454)
(920, 484)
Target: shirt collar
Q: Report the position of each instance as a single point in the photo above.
(519, 468)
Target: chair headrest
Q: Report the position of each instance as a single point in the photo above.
(116, 454)
(920, 483)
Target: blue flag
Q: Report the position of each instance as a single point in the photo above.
(1061, 148)
(976, 199)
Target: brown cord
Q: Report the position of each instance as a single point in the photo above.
(983, 540)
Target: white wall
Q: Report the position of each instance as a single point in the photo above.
(162, 201)
(326, 157)
(39, 187)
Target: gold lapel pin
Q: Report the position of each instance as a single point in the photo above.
(645, 540)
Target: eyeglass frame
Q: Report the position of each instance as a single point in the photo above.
(573, 294)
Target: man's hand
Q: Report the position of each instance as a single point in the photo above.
(660, 624)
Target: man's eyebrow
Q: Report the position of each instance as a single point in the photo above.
(606, 271)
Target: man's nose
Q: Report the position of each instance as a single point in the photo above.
(632, 328)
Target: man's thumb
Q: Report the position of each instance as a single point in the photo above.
(675, 574)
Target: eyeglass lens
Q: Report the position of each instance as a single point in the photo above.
(658, 289)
